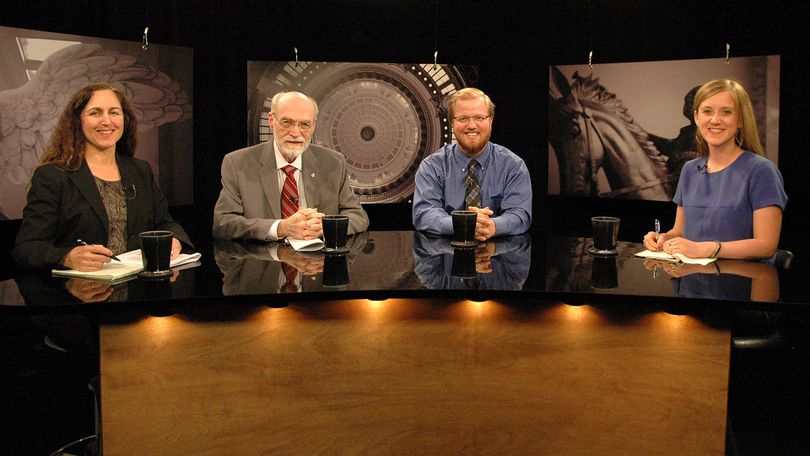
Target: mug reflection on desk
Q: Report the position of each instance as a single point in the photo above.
(335, 270)
(463, 263)
(603, 273)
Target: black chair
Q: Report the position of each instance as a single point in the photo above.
(85, 446)
(757, 336)
(760, 330)
(783, 259)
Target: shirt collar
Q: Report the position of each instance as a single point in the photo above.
(464, 161)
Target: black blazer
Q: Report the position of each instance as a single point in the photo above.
(64, 206)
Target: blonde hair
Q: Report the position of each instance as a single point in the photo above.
(747, 137)
(469, 93)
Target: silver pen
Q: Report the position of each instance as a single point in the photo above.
(657, 233)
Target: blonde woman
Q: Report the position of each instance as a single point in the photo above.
(730, 199)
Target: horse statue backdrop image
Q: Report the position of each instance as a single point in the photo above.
(590, 131)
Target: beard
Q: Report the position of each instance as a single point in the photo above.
(473, 146)
(291, 153)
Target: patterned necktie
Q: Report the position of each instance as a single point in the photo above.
(473, 194)
(290, 274)
(289, 194)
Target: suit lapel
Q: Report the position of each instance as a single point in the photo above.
(309, 174)
(83, 180)
(268, 176)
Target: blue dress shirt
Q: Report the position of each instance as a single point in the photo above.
(506, 188)
(433, 263)
(720, 206)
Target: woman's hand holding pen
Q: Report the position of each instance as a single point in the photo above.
(654, 241)
(87, 258)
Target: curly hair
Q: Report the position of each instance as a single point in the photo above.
(67, 143)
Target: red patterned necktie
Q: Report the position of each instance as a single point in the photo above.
(289, 194)
(290, 273)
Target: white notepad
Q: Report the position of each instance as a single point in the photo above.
(131, 263)
(310, 245)
(663, 256)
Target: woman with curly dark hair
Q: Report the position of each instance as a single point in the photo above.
(89, 197)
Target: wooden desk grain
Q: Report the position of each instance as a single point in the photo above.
(415, 377)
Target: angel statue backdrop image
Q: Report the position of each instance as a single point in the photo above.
(40, 71)
(625, 130)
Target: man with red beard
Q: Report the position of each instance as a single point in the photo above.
(473, 174)
(280, 189)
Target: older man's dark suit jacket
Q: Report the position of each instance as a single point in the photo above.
(64, 206)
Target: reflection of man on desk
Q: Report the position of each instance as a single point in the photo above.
(256, 268)
(732, 280)
(501, 263)
(267, 268)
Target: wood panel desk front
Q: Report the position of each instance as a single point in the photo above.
(415, 376)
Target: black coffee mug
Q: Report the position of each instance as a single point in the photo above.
(605, 235)
(156, 252)
(335, 233)
(464, 229)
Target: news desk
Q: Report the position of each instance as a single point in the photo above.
(407, 346)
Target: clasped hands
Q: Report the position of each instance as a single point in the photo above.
(304, 224)
(484, 225)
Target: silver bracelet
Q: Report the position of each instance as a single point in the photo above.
(716, 249)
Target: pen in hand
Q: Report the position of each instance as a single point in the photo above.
(657, 233)
(113, 257)
(657, 229)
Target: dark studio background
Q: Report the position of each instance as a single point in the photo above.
(512, 42)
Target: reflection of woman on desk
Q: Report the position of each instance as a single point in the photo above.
(89, 187)
(730, 199)
(732, 280)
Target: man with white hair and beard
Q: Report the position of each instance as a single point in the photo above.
(280, 189)
(473, 174)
